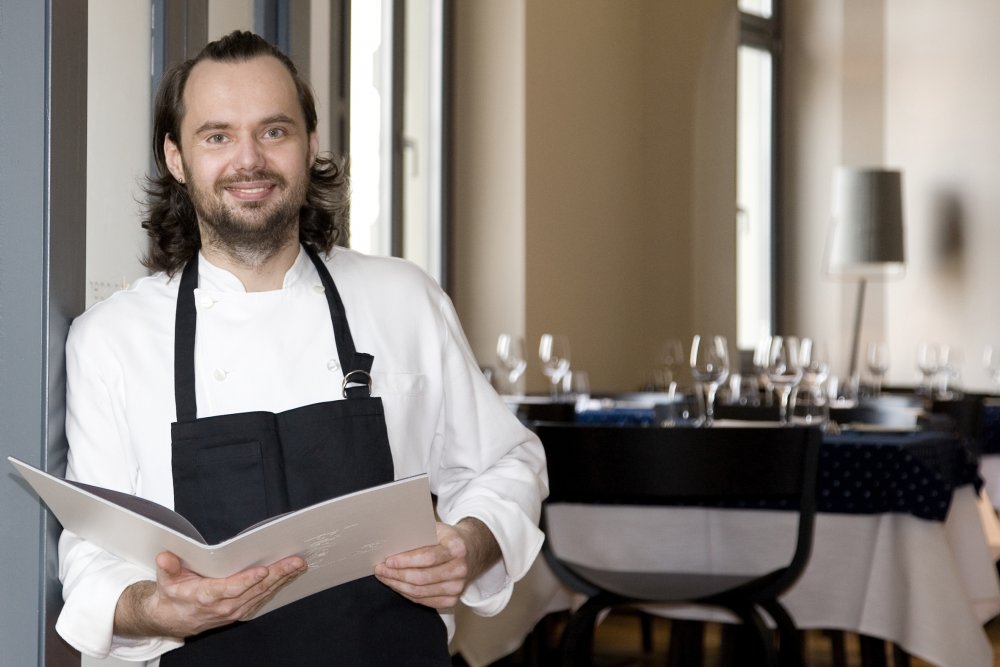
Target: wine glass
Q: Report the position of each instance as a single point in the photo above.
(671, 358)
(991, 361)
(709, 367)
(553, 352)
(510, 356)
(784, 370)
(807, 402)
(929, 362)
(877, 358)
(815, 362)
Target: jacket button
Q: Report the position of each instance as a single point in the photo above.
(220, 374)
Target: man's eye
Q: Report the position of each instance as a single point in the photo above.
(274, 133)
(216, 139)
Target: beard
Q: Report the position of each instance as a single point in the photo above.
(252, 232)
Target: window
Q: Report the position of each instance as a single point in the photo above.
(757, 170)
(397, 130)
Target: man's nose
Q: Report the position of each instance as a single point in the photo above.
(249, 155)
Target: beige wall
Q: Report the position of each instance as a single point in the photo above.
(597, 121)
(488, 245)
(617, 120)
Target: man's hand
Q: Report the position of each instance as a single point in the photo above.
(437, 575)
(181, 603)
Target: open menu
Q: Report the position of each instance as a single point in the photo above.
(342, 539)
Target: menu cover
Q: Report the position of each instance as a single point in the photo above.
(342, 539)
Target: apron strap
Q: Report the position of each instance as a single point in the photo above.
(357, 365)
(185, 325)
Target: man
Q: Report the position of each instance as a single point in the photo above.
(238, 382)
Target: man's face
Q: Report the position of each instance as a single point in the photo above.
(244, 153)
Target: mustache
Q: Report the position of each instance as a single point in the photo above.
(261, 175)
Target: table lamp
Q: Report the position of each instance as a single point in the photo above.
(866, 237)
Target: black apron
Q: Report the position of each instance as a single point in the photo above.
(232, 471)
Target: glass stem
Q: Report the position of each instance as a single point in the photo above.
(710, 389)
(783, 394)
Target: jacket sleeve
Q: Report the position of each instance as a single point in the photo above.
(93, 579)
(492, 468)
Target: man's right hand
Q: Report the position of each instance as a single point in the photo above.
(181, 603)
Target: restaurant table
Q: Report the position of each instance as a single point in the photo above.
(905, 550)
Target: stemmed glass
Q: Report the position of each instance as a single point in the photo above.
(991, 361)
(784, 370)
(877, 359)
(510, 356)
(709, 367)
(810, 403)
(815, 362)
(553, 352)
(930, 359)
(671, 357)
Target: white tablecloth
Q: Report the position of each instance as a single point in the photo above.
(928, 586)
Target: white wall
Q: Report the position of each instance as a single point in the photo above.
(118, 142)
(907, 84)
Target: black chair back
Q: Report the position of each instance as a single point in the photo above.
(643, 466)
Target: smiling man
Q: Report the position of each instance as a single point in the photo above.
(224, 385)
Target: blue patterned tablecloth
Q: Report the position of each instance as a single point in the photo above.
(874, 473)
(913, 473)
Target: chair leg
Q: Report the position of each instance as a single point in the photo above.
(754, 623)
(577, 645)
(791, 648)
(686, 647)
(838, 647)
(900, 658)
(872, 651)
(646, 627)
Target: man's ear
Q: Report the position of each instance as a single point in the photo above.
(313, 148)
(172, 155)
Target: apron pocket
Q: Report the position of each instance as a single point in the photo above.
(226, 484)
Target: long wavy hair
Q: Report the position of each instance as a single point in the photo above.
(170, 218)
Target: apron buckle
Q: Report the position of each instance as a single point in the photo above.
(350, 383)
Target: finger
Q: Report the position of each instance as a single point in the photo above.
(264, 592)
(441, 595)
(169, 563)
(419, 558)
(259, 581)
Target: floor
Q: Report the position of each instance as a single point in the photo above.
(618, 643)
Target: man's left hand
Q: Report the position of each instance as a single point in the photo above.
(437, 575)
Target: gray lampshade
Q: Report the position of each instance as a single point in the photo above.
(866, 239)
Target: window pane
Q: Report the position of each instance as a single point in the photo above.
(758, 7)
(371, 44)
(754, 197)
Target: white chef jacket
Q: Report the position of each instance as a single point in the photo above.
(274, 351)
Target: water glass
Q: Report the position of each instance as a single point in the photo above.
(553, 352)
(784, 370)
(709, 367)
(510, 357)
(877, 359)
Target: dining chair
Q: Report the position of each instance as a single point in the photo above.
(595, 465)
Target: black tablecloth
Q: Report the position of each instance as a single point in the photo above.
(872, 473)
